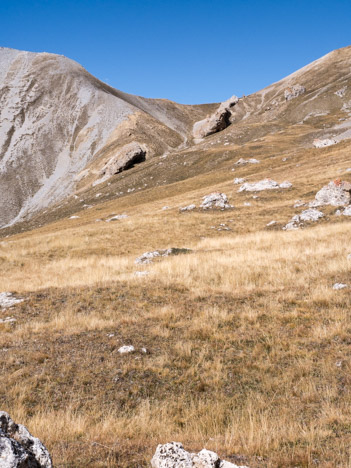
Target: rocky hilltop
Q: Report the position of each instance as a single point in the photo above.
(62, 131)
(56, 118)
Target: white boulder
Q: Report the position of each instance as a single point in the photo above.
(310, 214)
(215, 200)
(322, 143)
(347, 211)
(285, 185)
(147, 257)
(173, 455)
(126, 349)
(338, 286)
(18, 448)
(265, 184)
(188, 208)
(336, 193)
(238, 180)
(7, 300)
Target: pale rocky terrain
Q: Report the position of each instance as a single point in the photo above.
(176, 272)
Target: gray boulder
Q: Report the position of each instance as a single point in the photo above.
(215, 200)
(18, 448)
(311, 214)
(173, 455)
(322, 143)
(124, 159)
(147, 257)
(217, 121)
(336, 193)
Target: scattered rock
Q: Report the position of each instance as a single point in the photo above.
(341, 92)
(318, 143)
(126, 157)
(173, 455)
(18, 448)
(147, 257)
(140, 274)
(126, 349)
(271, 223)
(164, 208)
(215, 122)
(299, 203)
(188, 208)
(338, 286)
(74, 217)
(243, 162)
(265, 184)
(285, 185)
(336, 193)
(294, 91)
(215, 200)
(310, 214)
(8, 320)
(116, 218)
(238, 180)
(346, 106)
(7, 300)
(347, 211)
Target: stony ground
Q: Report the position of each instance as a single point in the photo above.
(247, 343)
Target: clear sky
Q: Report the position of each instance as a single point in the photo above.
(190, 51)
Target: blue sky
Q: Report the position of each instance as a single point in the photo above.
(187, 51)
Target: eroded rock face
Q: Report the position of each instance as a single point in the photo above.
(294, 91)
(173, 455)
(217, 121)
(18, 448)
(336, 193)
(126, 157)
(215, 200)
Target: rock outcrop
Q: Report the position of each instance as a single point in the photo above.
(243, 162)
(336, 193)
(294, 91)
(125, 158)
(265, 184)
(173, 455)
(7, 300)
(322, 143)
(311, 214)
(215, 200)
(18, 448)
(217, 121)
(147, 257)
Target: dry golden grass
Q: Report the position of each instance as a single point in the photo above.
(248, 344)
(248, 347)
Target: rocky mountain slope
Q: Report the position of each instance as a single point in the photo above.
(60, 127)
(190, 284)
(55, 119)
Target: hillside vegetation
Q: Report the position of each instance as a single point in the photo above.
(247, 343)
